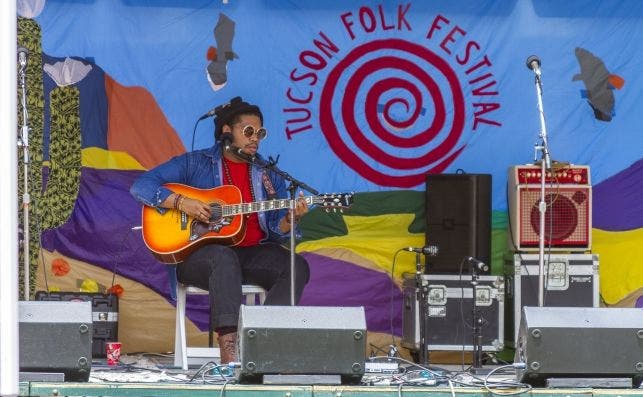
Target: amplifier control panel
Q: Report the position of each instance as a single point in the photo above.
(563, 174)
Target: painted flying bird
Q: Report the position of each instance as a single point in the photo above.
(219, 56)
(598, 84)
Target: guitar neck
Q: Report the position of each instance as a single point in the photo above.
(259, 206)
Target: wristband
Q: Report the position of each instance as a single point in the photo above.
(177, 197)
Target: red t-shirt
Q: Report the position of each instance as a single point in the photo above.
(241, 179)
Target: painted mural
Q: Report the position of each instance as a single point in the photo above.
(360, 96)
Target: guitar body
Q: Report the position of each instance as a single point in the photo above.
(173, 236)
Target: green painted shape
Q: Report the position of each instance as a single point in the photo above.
(63, 182)
(29, 36)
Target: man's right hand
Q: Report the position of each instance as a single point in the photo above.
(196, 209)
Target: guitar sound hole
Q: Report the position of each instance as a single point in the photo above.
(215, 212)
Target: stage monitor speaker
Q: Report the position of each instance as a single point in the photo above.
(301, 340)
(566, 342)
(56, 337)
(568, 218)
(458, 220)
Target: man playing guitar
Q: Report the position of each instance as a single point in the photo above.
(258, 256)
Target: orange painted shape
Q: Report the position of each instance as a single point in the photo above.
(137, 126)
(211, 54)
(616, 81)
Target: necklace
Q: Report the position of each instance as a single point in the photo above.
(230, 181)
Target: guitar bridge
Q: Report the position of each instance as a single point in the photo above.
(184, 221)
(218, 225)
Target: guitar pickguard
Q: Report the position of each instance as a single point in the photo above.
(198, 229)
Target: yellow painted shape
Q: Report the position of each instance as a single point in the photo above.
(95, 157)
(377, 239)
(620, 261)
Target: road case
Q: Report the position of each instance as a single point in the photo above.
(449, 312)
(571, 280)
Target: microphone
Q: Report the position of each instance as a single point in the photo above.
(213, 112)
(426, 250)
(237, 151)
(533, 63)
(23, 54)
(208, 114)
(477, 264)
(226, 141)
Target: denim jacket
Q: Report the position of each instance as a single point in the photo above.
(203, 169)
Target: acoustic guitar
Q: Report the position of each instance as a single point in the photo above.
(173, 235)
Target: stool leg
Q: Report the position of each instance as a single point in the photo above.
(180, 337)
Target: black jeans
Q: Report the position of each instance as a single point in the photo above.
(221, 270)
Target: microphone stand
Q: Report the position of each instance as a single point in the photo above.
(421, 291)
(294, 185)
(477, 327)
(545, 164)
(23, 140)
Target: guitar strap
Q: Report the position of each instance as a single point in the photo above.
(267, 184)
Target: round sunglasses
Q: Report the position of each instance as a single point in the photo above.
(249, 131)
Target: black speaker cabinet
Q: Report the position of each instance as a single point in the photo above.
(301, 340)
(56, 337)
(458, 220)
(563, 342)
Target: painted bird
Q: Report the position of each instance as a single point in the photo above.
(219, 56)
(598, 84)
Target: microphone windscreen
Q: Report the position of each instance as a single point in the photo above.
(530, 62)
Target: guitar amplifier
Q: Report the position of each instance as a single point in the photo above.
(104, 315)
(568, 217)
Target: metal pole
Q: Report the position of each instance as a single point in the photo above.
(8, 203)
(293, 223)
(421, 289)
(545, 164)
(477, 322)
(542, 208)
(24, 142)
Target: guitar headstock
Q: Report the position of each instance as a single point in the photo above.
(334, 202)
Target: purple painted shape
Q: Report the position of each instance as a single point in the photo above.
(335, 282)
(639, 302)
(618, 200)
(99, 230)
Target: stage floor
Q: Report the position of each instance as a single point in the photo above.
(147, 375)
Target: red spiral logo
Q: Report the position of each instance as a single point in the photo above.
(365, 95)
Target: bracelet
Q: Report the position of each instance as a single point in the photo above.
(177, 197)
(180, 206)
